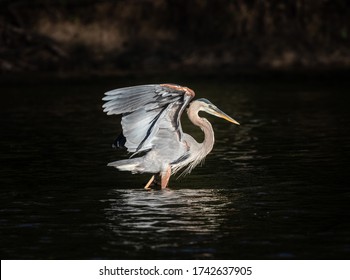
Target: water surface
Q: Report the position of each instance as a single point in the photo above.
(274, 188)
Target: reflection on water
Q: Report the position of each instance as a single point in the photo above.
(167, 211)
(274, 187)
(147, 219)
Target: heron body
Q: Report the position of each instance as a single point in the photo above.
(152, 129)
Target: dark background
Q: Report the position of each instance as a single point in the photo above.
(276, 187)
(103, 38)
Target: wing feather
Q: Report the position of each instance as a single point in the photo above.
(145, 110)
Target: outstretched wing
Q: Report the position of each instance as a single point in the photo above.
(145, 110)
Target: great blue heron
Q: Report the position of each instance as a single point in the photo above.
(152, 129)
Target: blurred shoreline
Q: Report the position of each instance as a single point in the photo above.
(46, 39)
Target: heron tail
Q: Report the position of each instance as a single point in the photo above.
(133, 165)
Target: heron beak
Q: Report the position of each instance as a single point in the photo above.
(215, 111)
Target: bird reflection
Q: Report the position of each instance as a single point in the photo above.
(184, 222)
(169, 211)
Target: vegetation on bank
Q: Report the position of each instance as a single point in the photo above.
(104, 37)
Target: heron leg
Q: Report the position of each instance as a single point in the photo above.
(147, 187)
(165, 176)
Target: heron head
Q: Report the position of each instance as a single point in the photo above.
(206, 106)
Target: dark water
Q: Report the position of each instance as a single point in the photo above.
(274, 188)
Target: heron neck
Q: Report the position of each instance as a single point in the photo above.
(205, 125)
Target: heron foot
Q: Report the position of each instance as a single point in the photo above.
(165, 176)
(159, 181)
(148, 185)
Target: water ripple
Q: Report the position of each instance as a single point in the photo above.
(166, 211)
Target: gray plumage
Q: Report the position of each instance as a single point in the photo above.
(152, 129)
